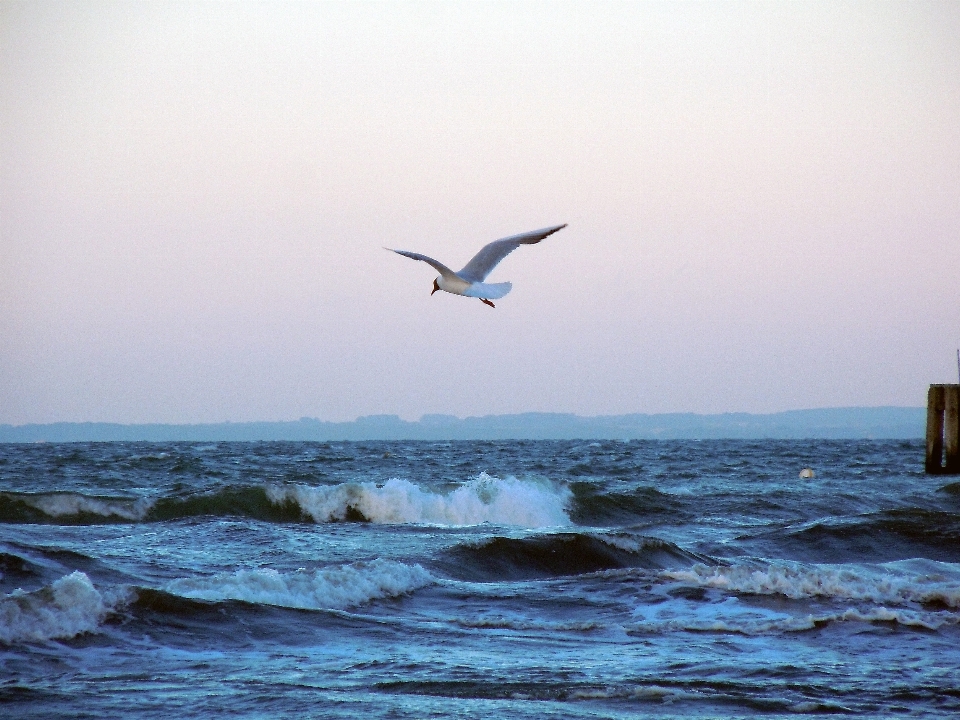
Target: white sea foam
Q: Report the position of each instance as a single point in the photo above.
(730, 615)
(66, 504)
(333, 588)
(929, 620)
(634, 544)
(485, 499)
(68, 607)
(824, 581)
(630, 545)
(734, 616)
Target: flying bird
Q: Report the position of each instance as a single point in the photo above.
(470, 281)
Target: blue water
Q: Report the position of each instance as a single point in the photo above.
(477, 579)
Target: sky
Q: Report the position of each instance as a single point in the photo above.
(763, 207)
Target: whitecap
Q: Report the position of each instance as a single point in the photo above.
(68, 607)
(930, 621)
(65, 504)
(333, 588)
(728, 616)
(823, 581)
(484, 499)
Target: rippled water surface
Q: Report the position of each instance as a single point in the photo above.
(477, 579)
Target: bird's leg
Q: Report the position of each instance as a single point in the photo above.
(487, 302)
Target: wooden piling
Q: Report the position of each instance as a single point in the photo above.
(951, 429)
(935, 406)
(943, 429)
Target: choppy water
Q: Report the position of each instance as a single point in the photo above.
(477, 579)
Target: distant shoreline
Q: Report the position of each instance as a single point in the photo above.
(907, 423)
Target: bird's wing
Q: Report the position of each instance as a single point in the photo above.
(441, 268)
(488, 257)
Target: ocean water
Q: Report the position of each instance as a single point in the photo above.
(477, 580)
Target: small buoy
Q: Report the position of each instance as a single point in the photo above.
(806, 473)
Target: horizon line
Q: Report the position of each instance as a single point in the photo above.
(450, 416)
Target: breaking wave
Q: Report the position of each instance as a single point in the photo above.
(826, 582)
(71, 508)
(485, 499)
(332, 588)
(733, 616)
(66, 608)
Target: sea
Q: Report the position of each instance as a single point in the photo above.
(507, 579)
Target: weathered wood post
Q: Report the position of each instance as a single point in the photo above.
(951, 429)
(935, 406)
(943, 429)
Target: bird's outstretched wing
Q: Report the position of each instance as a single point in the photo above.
(440, 267)
(486, 260)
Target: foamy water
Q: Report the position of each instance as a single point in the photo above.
(65, 504)
(795, 581)
(67, 608)
(332, 588)
(484, 499)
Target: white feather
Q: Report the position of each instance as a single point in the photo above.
(490, 291)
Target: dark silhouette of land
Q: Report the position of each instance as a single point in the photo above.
(836, 423)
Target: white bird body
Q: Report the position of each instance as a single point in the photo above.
(469, 282)
(458, 286)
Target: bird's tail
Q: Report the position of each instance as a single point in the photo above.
(490, 291)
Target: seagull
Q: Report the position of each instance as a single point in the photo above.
(470, 280)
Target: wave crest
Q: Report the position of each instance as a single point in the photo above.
(332, 588)
(75, 507)
(485, 499)
(68, 607)
(797, 582)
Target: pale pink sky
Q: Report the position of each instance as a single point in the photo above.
(763, 203)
